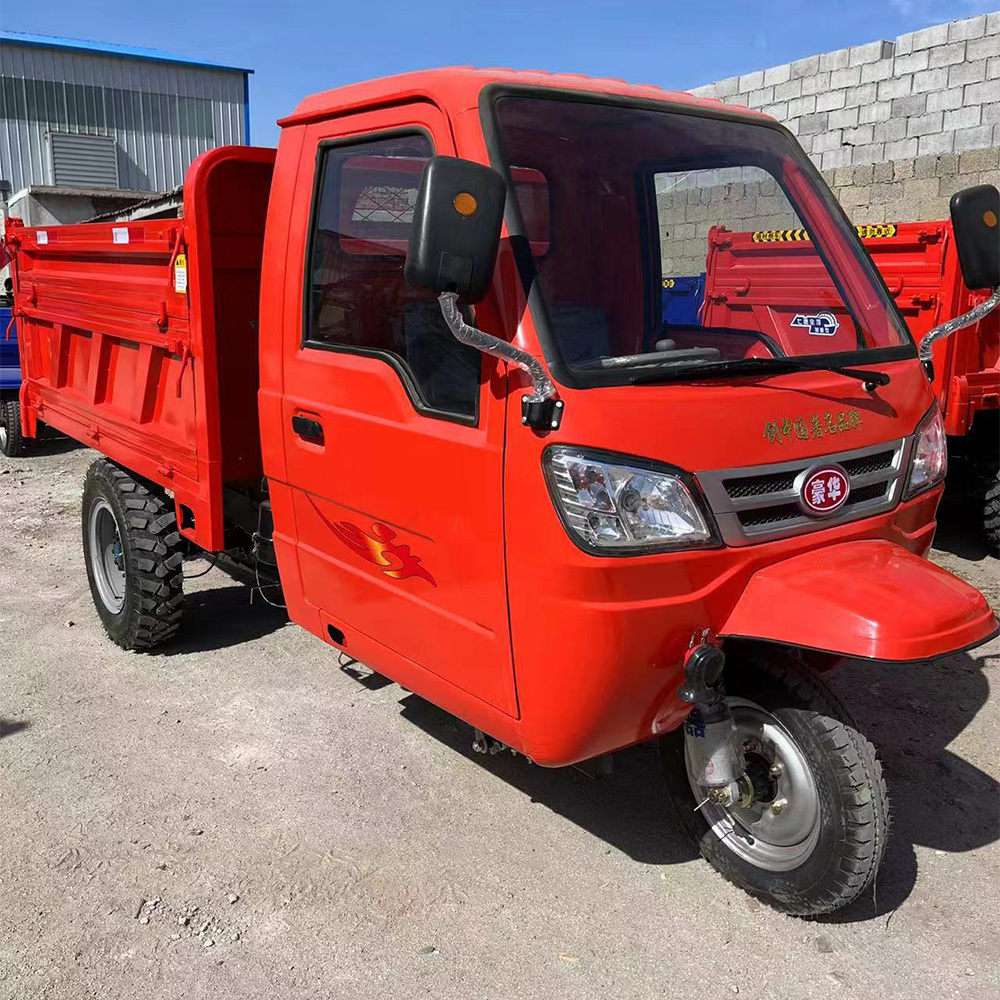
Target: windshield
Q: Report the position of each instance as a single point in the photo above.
(661, 240)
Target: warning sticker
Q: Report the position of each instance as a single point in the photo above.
(42, 236)
(181, 273)
(119, 234)
(780, 235)
(870, 231)
(876, 231)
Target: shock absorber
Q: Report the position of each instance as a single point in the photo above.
(715, 757)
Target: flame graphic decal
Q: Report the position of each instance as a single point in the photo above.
(394, 560)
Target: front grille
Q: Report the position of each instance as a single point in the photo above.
(866, 494)
(761, 502)
(755, 486)
(869, 463)
(782, 482)
(768, 515)
(760, 516)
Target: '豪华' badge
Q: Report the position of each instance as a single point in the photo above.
(823, 490)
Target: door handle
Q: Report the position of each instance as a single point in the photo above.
(308, 429)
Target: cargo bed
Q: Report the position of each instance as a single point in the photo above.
(140, 338)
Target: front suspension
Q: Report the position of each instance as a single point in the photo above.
(709, 731)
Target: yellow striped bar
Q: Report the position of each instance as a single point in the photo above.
(868, 231)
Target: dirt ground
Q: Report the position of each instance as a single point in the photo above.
(240, 817)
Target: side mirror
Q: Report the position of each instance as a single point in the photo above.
(975, 217)
(456, 228)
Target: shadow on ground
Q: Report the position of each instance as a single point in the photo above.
(10, 726)
(912, 712)
(52, 442)
(628, 809)
(223, 617)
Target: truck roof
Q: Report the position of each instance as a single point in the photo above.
(458, 87)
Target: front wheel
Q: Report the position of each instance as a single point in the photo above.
(812, 840)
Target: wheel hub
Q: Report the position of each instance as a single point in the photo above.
(779, 828)
(759, 772)
(107, 556)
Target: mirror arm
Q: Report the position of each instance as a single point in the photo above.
(974, 315)
(488, 344)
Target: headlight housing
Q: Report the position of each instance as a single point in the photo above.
(619, 505)
(929, 460)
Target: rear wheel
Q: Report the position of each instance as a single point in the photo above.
(134, 557)
(991, 514)
(11, 441)
(812, 840)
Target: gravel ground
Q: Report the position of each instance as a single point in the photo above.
(240, 817)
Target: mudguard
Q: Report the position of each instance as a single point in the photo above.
(870, 598)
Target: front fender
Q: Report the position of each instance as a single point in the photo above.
(871, 599)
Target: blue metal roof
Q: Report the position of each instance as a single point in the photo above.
(110, 49)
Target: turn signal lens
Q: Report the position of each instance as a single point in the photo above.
(930, 454)
(609, 506)
(465, 203)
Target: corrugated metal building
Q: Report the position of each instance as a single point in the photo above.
(87, 127)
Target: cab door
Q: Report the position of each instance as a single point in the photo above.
(393, 437)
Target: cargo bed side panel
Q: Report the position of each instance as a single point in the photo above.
(140, 339)
(107, 351)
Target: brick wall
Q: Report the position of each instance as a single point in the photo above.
(896, 126)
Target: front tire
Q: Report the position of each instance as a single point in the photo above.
(12, 442)
(134, 557)
(813, 840)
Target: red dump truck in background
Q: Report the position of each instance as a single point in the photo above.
(773, 281)
(439, 412)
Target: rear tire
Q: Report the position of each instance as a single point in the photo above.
(12, 442)
(991, 515)
(838, 836)
(134, 556)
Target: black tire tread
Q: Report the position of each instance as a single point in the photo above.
(15, 445)
(856, 770)
(991, 515)
(157, 556)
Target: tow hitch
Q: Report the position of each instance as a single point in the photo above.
(710, 732)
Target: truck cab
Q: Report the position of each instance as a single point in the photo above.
(437, 383)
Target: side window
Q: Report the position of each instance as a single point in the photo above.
(356, 297)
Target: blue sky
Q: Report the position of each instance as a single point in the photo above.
(297, 47)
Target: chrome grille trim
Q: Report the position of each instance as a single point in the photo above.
(735, 494)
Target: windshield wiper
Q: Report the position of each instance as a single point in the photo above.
(776, 366)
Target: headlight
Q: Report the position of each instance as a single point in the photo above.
(930, 454)
(608, 506)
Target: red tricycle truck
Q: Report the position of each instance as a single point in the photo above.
(411, 371)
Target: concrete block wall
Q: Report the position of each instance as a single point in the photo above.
(688, 205)
(896, 127)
